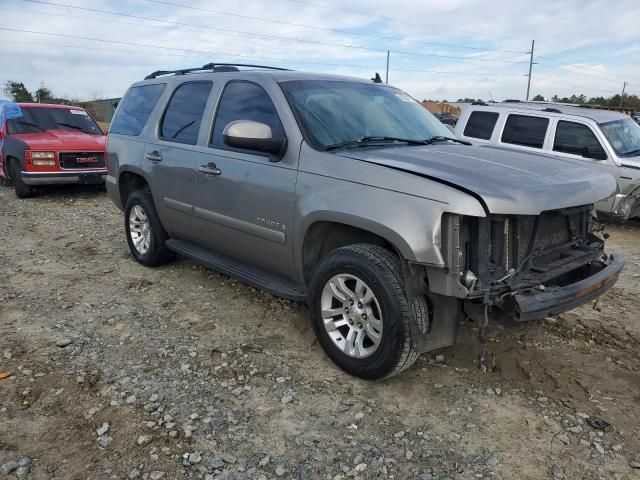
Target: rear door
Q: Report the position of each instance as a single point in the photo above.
(173, 158)
(246, 210)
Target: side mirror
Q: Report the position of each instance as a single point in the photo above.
(256, 136)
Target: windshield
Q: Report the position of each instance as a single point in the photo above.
(623, 135)
(39, 119)
(336, 112)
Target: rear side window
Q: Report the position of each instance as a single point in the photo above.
(525, 130)
(577, 139)
(135, 108)
(480, 125)
(245, 101)
(182, 119)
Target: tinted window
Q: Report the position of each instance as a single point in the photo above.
(245, 101)
(135, 108)
(525, 130)
(480, 125)
(577, 139)
(182, 119)
(39, 119)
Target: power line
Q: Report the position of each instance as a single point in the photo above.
(230, 54)
(404, 20)
(260, 35)
(92, 48)
(578, 73)
(577, 66)
(571, 85)
(272, 20)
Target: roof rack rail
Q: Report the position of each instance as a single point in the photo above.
(211, 67)
(551, 110)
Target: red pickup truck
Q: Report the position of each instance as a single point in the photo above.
(51, 144)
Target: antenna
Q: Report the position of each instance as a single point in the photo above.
(491, 96)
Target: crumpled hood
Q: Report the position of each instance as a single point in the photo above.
(65, 140)
(508, 182)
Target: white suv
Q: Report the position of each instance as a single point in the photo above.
(605, 139)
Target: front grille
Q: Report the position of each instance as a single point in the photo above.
(81, 160)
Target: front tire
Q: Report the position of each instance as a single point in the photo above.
(361, 313)
(146, 236)
(22, 189)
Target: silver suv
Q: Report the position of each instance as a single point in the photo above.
(348, 195)
(609, 141)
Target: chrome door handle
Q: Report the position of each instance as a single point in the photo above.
(153, 156)
(210, 169)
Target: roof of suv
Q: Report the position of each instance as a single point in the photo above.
(225, 70)
(595, 114)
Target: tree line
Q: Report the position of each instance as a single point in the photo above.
(19, 93)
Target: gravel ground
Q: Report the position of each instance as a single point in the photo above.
(116, 371)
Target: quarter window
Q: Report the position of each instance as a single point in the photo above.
(245, 101)
(525, 130)
(135, 108)
(577, 139)
(480, 125)
(182, 119)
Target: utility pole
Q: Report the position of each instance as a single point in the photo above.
(533, 43)
(386, 80)
(624, 86)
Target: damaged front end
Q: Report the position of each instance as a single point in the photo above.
(524, 267)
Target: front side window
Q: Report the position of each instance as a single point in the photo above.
(480, 125)
(182, 119)
(577, 139)
(525, 130)
(334, 112)
(245, 101)
(40, 119)
(624, 136)
(135, 108)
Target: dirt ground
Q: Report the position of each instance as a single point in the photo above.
(190, 374)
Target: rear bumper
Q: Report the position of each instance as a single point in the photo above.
(554, 300)
(64, 178)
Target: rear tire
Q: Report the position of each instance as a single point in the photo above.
(361, 287)
(22, 189)
(146, 236)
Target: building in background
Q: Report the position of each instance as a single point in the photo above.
(101, 110)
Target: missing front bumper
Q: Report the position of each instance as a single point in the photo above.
(535, 305)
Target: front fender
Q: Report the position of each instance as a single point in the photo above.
(410, 223)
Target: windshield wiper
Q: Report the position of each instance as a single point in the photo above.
(369, 140)
(76, 127)
(631, 153)
(24, 122)
(440, 138)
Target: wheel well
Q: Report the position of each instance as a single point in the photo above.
(7, 165)
(130, 182)
(323, 237)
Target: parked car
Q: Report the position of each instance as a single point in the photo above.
(609, 141)
(51, 144)
(445, 118)
(348, 194)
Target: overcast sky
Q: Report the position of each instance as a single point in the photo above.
(439, 49)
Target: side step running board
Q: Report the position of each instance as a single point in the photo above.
(251, 275)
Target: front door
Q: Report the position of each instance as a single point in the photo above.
(244, 200)
(576, 140)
